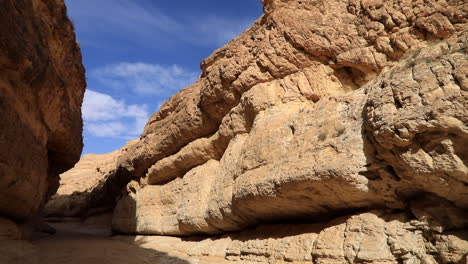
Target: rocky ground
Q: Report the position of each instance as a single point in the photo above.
(90, 243)
(372, 237)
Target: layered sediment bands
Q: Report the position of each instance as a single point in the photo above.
(372, 237)
(418, 116)
(290, 158)
(317, 109)
(41, 90)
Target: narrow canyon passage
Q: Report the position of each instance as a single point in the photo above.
(328, 132)
(91, 248)
(92, 243)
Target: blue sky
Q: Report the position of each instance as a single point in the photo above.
(137, 53)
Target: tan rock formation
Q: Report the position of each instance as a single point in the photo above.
(285, 123)
(373, 237)
(41, 90)
(303, 159)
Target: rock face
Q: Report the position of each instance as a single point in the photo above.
(41, 90)
(86, 188)
(372, 237)
(320, 109)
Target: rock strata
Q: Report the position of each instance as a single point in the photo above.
(372, 237)
(318, 109)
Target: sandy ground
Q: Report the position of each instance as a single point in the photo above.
(87, 244)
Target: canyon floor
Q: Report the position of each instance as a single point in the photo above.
(77, 243)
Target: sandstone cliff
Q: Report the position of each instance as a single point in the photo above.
(321, 109)
(284, 122)
(41, 90)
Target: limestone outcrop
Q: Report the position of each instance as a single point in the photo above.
(372, 237)
(41, 90)
(382, 145)
(319, 108)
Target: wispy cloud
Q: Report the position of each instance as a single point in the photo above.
(139, 20)
(221, 30)
(105, 116)
(107, 129)
(144, 78)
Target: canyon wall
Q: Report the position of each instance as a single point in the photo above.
(348, 113)
(319, 108)
(42, 84)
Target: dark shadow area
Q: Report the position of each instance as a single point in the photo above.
(83, 225)
(101, 199)
(91, 242)
(87, 242)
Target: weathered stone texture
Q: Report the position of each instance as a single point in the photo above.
(307, 115)
(41, 90)
(372, 237)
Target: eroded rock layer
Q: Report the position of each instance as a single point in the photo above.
(41, 90)
(397, 137)
(372, 237)
(87, 188)
(317, 109)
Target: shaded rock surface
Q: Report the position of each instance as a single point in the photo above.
(89, 242)
(86, 189)
(41, 90)
(372, 237)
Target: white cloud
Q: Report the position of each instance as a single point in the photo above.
(105, 116)
(107, 129)
(145, 78)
